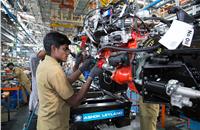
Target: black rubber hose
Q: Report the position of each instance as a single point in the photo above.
(131, 50)
(142, 22)
(86, 16)
(168, 22)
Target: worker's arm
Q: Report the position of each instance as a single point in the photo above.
(74, 76)
(63, 88)
(76, 98)
(11, 77)
(34, 61)
(87, 65)
(75, 68)
(79, 59)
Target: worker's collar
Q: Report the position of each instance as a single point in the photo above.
(13, 68)
(49, 58)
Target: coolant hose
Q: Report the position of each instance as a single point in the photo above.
(148, 49)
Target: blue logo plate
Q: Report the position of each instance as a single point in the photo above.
(99, 115)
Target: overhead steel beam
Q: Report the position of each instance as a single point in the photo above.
(9, 39)
(80, 6)
(15, 19)
(62, 25)
(11, 34)
(75, 23)
(164, 3)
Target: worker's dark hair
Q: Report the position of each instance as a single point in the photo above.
(54, 38)
(10, 64)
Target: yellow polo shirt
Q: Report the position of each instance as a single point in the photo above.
(22, 77)
(53, 91)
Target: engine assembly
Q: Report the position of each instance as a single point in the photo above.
(130, 54)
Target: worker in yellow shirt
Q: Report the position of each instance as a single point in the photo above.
(22, 79)
(55, 92)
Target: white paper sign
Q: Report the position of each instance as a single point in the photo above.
(175, 35)
(188, 38)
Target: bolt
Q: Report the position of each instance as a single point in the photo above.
(145, 78)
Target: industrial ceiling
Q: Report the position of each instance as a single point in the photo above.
(26, 22)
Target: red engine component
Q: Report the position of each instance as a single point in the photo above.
(100, 63)
(122, 75)
(84, 40)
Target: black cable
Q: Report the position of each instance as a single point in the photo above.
(142, 22)
(131, 50)
(168, 22)
(191, 75)
(119, 19)
(86, 16)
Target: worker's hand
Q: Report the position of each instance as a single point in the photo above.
(79, 59)
(87, 64)
(95, 72)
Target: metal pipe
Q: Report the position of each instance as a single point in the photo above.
(11, 34)
(188, 92)
(152, 4)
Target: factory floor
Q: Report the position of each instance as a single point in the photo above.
(18, 118)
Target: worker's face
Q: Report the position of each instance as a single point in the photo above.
(61, 53)
(11, 67)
